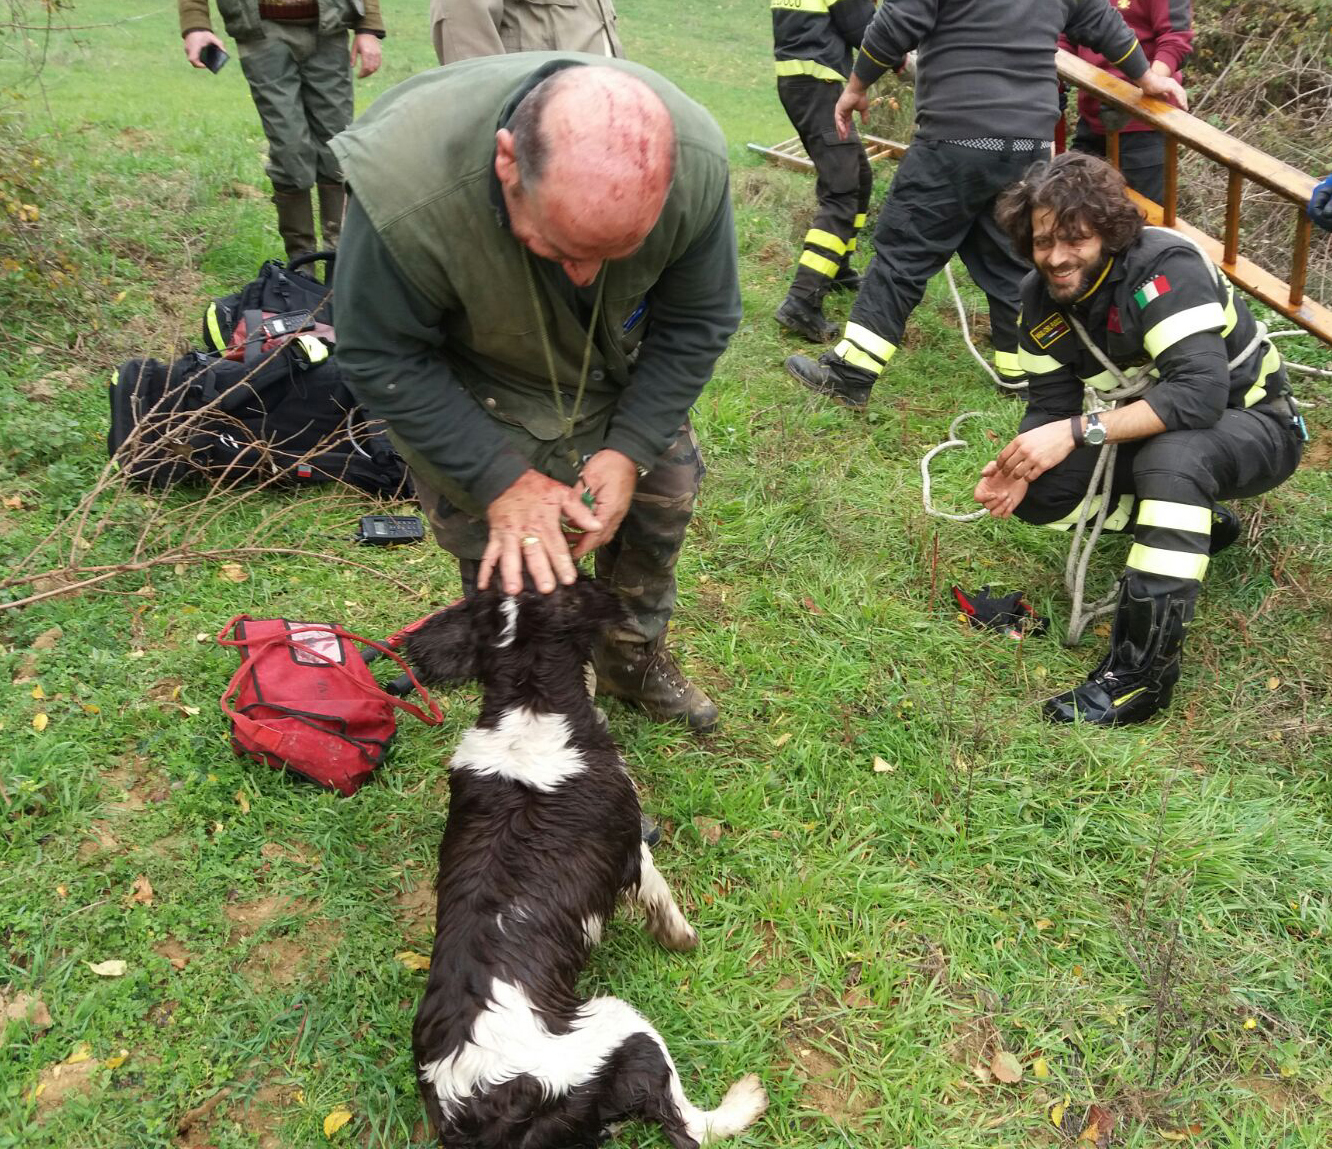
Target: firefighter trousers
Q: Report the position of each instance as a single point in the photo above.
(845, 181)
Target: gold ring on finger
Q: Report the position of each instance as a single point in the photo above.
(530, 540)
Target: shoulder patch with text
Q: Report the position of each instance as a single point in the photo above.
(1049, 329)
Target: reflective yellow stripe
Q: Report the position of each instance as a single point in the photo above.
(1172, 564)
(1176, 516)
(851, 245)
(866, 340)
(316, 350)
(809, 68)
(825, 239)
(1100, 279)
(1103, 381)
(1008, 363)
(859, 220)
(1271, 362)
(1034, 364)
(872, 56)
(1123, 698)
(1127, 54)
(1205, 317)
(803, 5)
(856, 357)
(214, 329)
(817, 263)
(1115, 520)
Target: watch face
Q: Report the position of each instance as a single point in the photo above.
(1095, 434)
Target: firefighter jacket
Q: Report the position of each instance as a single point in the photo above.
(817, 37)
(242, 21)
(439, 333)
(1164, 29)
(461, 29)
(1163, 303)
(985, 68)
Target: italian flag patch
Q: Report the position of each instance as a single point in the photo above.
(1152, 289)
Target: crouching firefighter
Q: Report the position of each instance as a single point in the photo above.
(532, 304)
(813, 41)
(1217, 423)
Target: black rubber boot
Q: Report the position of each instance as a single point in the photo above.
(1225, 529)
(647, 675)
(332, 204)
(833, 377)
(295, 213)
(805, 318)
(847, 279)
(1137, 678)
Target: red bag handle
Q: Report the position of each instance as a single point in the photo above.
(434, 718)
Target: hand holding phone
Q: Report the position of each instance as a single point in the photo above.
(204, 50)
(213, 56)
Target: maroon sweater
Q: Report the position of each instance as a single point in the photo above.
(1164, 29)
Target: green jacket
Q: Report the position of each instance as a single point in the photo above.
(241, 17)
(437, 330)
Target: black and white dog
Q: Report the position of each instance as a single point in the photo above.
(543, 836)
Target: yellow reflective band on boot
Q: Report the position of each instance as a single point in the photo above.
(1123, 698)
(852, 354)
(213, 328)
(1258, 392)
(1175, 516)
(1171, 564)
(1206, 317)
(825, 239)
(809, 68)
(818, 263)
(1034, 364)
(867, 341)
(1008, 363)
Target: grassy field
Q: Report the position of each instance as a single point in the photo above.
(898, 872)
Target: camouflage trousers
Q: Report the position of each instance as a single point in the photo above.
(639, 562)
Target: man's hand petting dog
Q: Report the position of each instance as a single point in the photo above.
(526, 533)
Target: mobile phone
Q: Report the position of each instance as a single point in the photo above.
(212, 57)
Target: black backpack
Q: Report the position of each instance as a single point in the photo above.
(268, 402)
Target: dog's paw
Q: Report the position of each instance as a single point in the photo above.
(745, 1101)
(673, 932)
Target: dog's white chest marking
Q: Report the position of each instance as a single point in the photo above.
(524, 747)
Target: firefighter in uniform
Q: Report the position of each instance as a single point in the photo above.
(521, 364)
(1218, 422)
(294, 54)
(986, 98)
(813, 41)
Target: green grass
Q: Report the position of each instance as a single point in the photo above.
(1146, 910)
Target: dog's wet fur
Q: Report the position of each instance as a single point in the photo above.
(543, 836)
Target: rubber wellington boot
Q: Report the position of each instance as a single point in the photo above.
(332, 202)
(295, 212)
(647, 675)
(1225, 529)
(833, 377)
(805, 318)
(1137, 678)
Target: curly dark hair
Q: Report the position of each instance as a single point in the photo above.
(1084, 192)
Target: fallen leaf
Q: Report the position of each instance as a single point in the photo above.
(38, 692)
(242, 801)
(782, 739)
(202, 636)
(40, 722)
(1043, 924)
(81, 1052)
(882, 766)
(335, 1121)
(174, 952)
(1102, 630)
(62, 891)
(190, 711)
(1040, 1068)
(134, 654)
(413, 960)
(1056, 1113)
(180, 568)
(811, 605)
(143, 892)
(1100, 1125)
(113, 968)
(709, 829)
(13, 502)
(1273, 682)
(1250, 1023)
(234, 572)
(91, 708)
(117, 1061)
(1006, 1068)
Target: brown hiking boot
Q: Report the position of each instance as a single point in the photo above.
(647, 675)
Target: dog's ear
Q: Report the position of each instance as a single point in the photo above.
(443, 648)
(587, 609)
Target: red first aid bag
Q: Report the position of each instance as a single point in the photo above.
(305, 700)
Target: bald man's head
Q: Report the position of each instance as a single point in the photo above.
(585, 164)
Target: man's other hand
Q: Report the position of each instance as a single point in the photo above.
(1320, 204)
(366, 49)
(525, 532)
(999, 494)
(854, 98)
(1163, 88)
(1034, 452)
(611, 477)
(196, 42)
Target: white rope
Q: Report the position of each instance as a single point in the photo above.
(966, 335)
(954, 440)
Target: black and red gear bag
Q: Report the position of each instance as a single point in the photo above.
(304, 700)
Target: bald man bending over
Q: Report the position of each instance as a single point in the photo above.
(536, 277)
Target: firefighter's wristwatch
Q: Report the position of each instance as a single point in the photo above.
(1094, 435)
